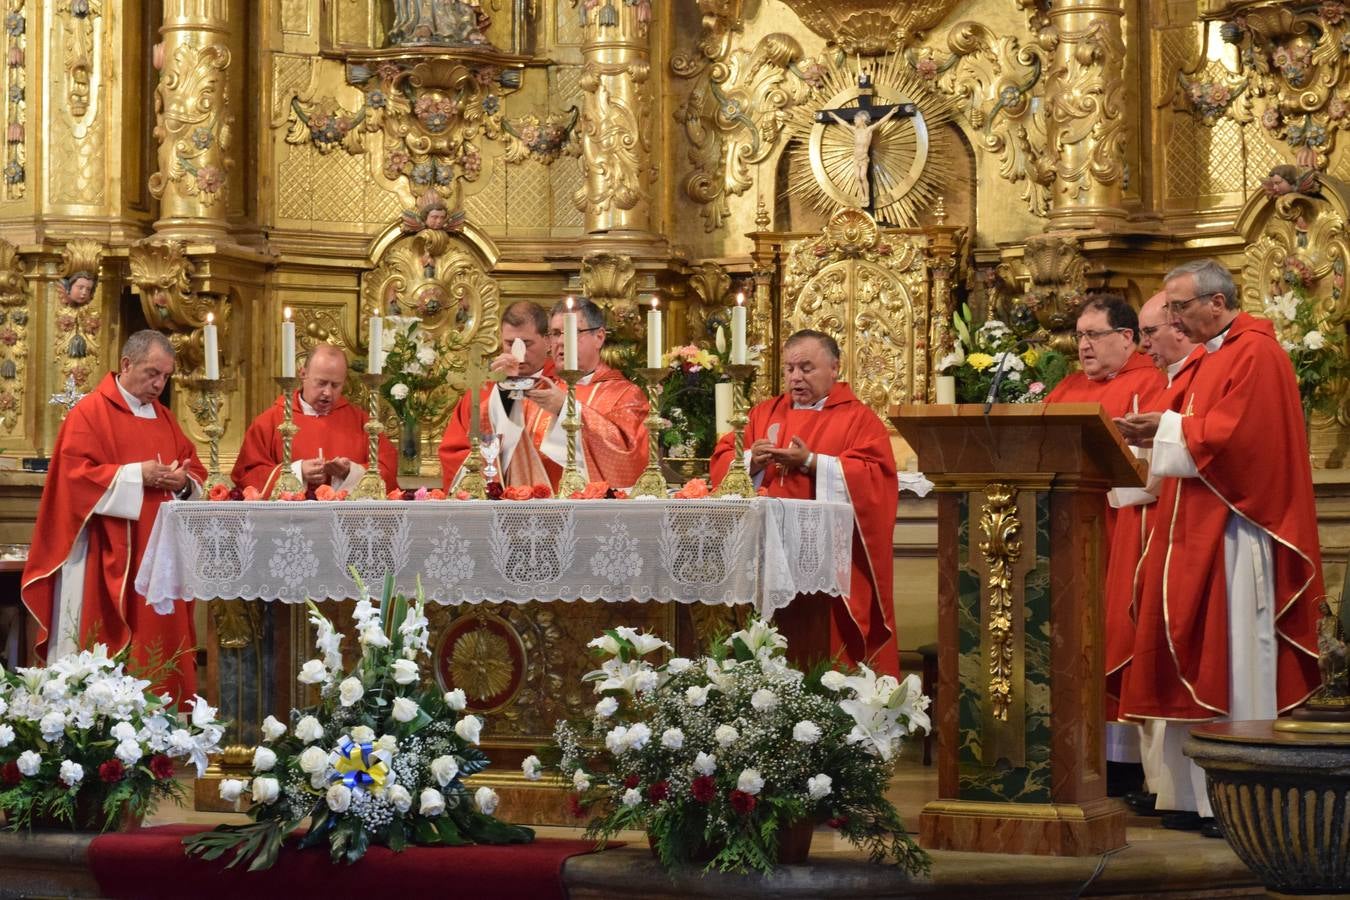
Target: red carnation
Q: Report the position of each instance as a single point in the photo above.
(542, 492)
(631, 781)
(704, 788)
(161, 767)
(10, 774)
(837, 821)
(742, 802)
(494, 490)
(658, 791)
(112, 771)
(577, 808)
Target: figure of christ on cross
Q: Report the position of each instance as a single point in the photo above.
(863, 121)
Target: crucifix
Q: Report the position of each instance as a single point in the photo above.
(864, 120)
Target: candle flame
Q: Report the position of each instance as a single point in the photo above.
(210, 317)
(569, 301)
(656, 301)
(287, 313)
(740, 298)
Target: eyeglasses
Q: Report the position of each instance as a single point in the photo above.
(1093, 337)
(557, 334)
(1176, 306)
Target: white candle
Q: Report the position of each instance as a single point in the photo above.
(375, 357)
(212, 348)
(738, 331)
(570, 337)
(287, 346)
(946, 389)
(654, 335)
(722, 406)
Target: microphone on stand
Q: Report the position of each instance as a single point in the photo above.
(998, 377)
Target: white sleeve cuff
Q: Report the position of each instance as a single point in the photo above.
(1170, 454)
(830, 483)
(1119, 497)
(122, 499)
(353, 476)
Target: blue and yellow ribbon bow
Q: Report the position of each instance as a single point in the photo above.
(360, 766)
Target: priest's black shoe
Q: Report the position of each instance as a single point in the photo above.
(1211, 828)
(1181, 820)
(1142, 803)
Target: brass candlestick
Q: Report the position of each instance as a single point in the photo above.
(652, 483)
(286, 480)
(209, 415)
(371, 485)
(738, 482)
(473, 482)
(571, 479)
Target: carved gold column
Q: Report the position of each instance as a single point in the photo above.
(193, 119)
(1086, 114)
(616, 117)
(942, 251)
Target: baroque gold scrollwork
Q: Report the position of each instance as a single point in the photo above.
(870, 27)
(1085, 109)
(1002, 547)
(79, 320)
(14, 346)
(192, 123)
(1057, 271)
(78, 47)
(615, 133)
(16, 103)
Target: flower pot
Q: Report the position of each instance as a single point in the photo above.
(88, 817)
(681, 470)
(794, 845)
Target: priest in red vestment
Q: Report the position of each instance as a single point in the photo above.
(819, 441)
(1227, 608)
(331, 446)
(120, 453)
(517, 423)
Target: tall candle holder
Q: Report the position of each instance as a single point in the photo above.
(286, 480)
(473, 482)
(371, 485)
(652, 483)
(571, 479)
(208, 414)
(738, 482)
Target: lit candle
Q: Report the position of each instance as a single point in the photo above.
(654, 334)
(212, 348)
(722, 406)
(570, 337)
(375, 357)
(287, 346)
(738, 331)
(946, 389)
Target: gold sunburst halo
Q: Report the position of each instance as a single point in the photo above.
(911, 156)
(481, 663)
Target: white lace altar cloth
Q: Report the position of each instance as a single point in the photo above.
(762, 551)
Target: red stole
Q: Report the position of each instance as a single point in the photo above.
(98, 436)
(864, 622)
(340, 433)
(1244, 428)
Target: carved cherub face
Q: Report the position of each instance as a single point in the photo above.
(81, 290)
(437, 217)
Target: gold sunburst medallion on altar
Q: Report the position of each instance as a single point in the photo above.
(483, 655)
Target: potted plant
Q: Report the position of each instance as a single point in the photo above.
(1030, 373)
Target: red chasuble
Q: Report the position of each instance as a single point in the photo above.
(340, 433)
(863, 624)
(98, 436)
(1244, 428)
(526, 466)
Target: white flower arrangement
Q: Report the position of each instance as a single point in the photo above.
(725, 750)
(83, 740)
(381, 759)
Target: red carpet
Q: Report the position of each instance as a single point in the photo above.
(150, 863)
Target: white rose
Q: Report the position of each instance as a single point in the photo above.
(749, 781)
(72, 773)
(817, 786)
(581, 781)
(529, 767)
(1314, 340)
(272, 729)
(362, 734)
(123, 731)
(313, 672)
(696, 696)
(469, 728)
(29, 762)
(456, 700)
(725, 735)
(405, 709)
(638, 735)
(806, 732)
(52, 725)
(405, 671)
(387, 743)
(616, 741)
(129, 752)
(400, 392)
(631, 797)
(308, 729)
(678, 665)
(444, 769)
(264, 759)
(6, 735)
(763, 700)
(486, 799)
(339, 797)
(672, 739)
(350, 691)
(265, 789)
(230, 789)
(606, 707)
(399, 796)
(833, 680)
(705, 764)
(431, 803)
(312, 760)
(644, 681)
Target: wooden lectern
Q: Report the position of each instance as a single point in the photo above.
(1019, 711)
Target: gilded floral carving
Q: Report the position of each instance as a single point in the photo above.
(79, 321)
(1085, 112)
(192, 124)
(1002, 547)
(14, 347)
(16, 100)
(77, 50)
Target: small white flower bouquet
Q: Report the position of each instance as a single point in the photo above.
(83, 743)
(717, 757)
(380, 760)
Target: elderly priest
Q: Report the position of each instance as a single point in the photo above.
(119, 454)
(331, 446)
(819, 441)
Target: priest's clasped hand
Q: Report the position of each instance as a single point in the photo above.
(548, 394)
(795, 455)
(155, 474)
(314, 471)
(1139, 428)
(337, 469)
